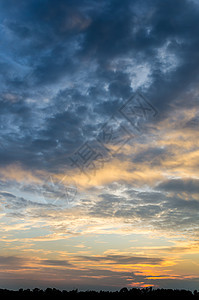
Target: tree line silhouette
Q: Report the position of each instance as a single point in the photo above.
(124, 293)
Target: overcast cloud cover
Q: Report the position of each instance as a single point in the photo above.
(70, 73)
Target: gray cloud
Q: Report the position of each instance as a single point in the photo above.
(62, 263)
(11, 202)
(7, 260)
(122, 259)
(86, 46)
(156, 209)
(180, 185)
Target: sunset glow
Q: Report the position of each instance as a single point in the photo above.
(99, 144)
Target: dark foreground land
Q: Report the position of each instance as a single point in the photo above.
(124, 293)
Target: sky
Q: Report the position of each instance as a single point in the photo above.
(99, 144)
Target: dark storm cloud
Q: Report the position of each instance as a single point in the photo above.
(92, 46)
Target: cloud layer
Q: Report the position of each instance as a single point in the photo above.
(99, 148)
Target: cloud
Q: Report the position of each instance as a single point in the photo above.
(33, 273)
(66, 68)
(121, 259)
(87, 47)
(61, 263)
(10, 260)
(179, 186)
